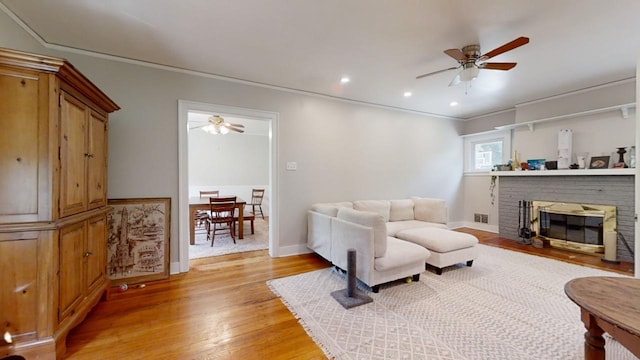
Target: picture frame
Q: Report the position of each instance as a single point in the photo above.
(138, 240)
(599, 162)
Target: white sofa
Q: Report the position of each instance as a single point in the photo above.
(372, 227)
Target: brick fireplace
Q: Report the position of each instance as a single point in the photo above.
(612, 190)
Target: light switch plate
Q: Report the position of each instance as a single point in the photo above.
(292, 165)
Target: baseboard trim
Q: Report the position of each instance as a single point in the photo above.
(291, 250)
(478, 226)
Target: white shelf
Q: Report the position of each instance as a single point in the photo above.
(576, 172)
(624, 109)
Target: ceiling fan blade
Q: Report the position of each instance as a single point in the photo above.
(436, 72)
(198, 127)
(457, 54)
(498, 66)
(235, 129)
(506, 47)
(236, 125)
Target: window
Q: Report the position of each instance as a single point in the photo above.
(486, 150)
(487, 154)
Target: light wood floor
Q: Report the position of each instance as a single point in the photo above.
(222, 309)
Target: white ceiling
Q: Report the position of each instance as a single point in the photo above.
(382, 45)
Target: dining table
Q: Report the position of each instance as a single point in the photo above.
(202, 203)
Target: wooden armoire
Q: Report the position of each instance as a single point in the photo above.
(53, 201)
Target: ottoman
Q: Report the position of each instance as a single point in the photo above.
(447, 247)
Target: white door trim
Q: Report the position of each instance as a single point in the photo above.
(183, 171)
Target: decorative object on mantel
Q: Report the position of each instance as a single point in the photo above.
(551, 165)
(632, 157)
(582, 160)
(502, 167)
(599, 162)
(536, 164)
(565, 144)
(621, 164)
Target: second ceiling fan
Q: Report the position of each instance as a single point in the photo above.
(471, 61)
(217, 125)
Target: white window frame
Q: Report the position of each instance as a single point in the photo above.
(470, 142)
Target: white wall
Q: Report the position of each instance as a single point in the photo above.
(598, 135)
(344, 151)
(232, 159)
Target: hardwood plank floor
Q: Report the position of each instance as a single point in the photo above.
(223, 309)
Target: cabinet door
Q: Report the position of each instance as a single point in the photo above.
(19, 146)
(18, 293)
(95, 252)
(71, 290)
(73, 154)
(97, 161)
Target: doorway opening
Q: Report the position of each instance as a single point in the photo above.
(191, 138)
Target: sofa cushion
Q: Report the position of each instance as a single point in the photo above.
(400, 253)
(431, 210)
(438, 240)
(394, 227)
(370, 219)
(325, 209)
(401, 210)
(382, 207)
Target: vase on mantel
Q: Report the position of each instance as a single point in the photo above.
(621, 151)
(632, 157)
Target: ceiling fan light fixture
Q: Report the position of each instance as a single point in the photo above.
(469, 73)
(211, 129)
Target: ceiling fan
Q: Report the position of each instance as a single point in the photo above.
(471, 61)
(217, 125)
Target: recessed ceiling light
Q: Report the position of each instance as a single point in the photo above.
(344, 80)
(453, 103)
(407, 94)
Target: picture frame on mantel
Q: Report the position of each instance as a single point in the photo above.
(599, 162)
(138, 243)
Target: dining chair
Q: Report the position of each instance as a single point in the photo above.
(222, 213)
(209, 193)
(203, 215)
(256, 201)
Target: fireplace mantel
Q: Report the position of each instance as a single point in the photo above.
(576, 172)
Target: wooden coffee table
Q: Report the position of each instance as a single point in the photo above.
(611, 305)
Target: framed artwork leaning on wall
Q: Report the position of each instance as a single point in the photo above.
(138, 243)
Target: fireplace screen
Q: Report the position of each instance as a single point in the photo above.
(574, 226)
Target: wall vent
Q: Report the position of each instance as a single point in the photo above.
(481, 218)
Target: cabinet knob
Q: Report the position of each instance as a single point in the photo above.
(89, 155)
(88, 253)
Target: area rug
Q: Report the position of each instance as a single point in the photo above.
(224, 245)
(509, 305)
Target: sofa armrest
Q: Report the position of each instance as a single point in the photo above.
(319, 233)
(347, 235)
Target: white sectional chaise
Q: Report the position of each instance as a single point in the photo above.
(393, 238)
